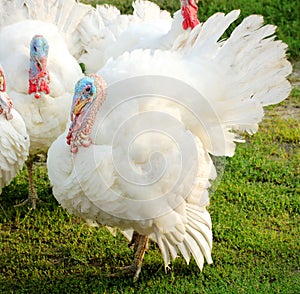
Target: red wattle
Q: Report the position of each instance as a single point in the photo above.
(39, 83)
(32, 87)
(69, 136)
(189, 13)
(44, 87)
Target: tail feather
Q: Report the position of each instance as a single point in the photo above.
(186, 253)
(164, 250)
(202, 243)
(260, 61)
(199, 216)
(202, 229)
(203, 39)
(171, 248)
(174, 238)
(194, 248)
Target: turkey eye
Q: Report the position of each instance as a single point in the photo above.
(88, 89)
(34, 48)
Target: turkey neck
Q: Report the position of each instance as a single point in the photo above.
(39, 78)
(81, 126)
(5, 101)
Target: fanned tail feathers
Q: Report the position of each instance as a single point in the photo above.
(251, 66)
(261, 61)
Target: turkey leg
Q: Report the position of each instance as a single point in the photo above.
(32, 195)
(140, 246)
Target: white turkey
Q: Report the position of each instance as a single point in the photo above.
(14, 140)
(40, 38)
(137, 152)
(106, 33)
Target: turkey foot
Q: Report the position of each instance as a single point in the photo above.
(140, 243)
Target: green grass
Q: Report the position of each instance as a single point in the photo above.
(284, 14)
(255, 212)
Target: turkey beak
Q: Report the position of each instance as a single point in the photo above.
(79, 104)
(41, 64)
(2, 81)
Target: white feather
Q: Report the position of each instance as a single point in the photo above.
(14, 147)
(166, 111)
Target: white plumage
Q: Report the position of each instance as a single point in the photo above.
(14, 147)
(57, 21)
(14, 140)
(149, 166)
